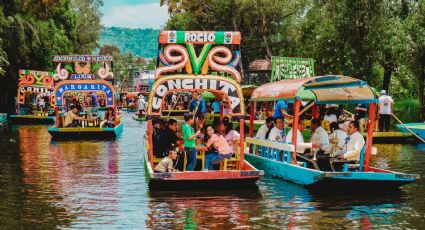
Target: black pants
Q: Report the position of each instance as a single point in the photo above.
(384, 122)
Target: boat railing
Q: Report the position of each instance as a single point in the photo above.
(270, 149)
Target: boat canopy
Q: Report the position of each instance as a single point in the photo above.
(331, 89)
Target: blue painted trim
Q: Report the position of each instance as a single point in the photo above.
(365, 101)
(327, 78)
(337, 85)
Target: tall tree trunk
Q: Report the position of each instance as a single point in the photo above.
(387, 77)
(264, 33)
(421, 94)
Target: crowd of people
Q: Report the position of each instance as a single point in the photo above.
(218, 140)
(85, 107)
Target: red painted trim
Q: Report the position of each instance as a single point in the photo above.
(297, 105)
(241, 142)
(370, 126)
(372, 169)
(221, 112)
(208, 175)
(57, 116)
(150, 137)
(251, 120)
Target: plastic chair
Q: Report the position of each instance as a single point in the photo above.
(359, 166)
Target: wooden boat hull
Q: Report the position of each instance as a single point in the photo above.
(377, 181)
(417, 128)
(202, 180)
(86, 133)
(31, 119)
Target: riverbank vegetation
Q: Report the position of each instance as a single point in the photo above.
(382, 42)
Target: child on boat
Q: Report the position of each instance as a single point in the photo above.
(167, 164)
(189, 137)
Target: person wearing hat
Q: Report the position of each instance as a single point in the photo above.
(385, 108)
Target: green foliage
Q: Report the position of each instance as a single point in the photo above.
(140, 42)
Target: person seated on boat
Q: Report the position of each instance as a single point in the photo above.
(88, 107)
(330, 115)
(215, 106)
(232, 136)
(41, 104)
(109, 120)
(167, 163)
(266, 127)
(337, 137)
(219, 143)
(354, 143)
(277, 133)
(167, 138)
(301, 146)
(319, 136)
(360, 116)
(71, 118)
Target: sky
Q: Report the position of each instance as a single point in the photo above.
(134, 14)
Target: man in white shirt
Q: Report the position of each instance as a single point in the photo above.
(277, 133)
(385, 107)
(354, 143)
(141, 104)
(301, 145)
(262, 131)
(319, 136)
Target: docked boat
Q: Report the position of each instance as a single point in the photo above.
(417, 128)
(360, 177)
(34, 98)
(80, 85)
(236, 172)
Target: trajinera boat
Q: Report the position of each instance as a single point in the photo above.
(34, 99)
(280, 159)
(182, 70)
(79, 86)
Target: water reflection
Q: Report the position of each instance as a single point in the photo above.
(94, 184)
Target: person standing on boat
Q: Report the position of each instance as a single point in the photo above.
(262, 131)
(385, 108)
(94, 102)
(197, 105)
(189, 137)
(280, 110)
(319, 136)
(141, 104)
(354, 143)
(167, 138)
(360, 115)
(278, 131)
(216, 106)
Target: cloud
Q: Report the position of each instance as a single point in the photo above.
(147, 15)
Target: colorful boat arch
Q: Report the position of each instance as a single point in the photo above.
(84, 86)
(34, 81)
(178, 83)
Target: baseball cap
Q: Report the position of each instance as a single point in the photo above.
(383, 91)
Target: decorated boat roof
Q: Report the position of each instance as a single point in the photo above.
(330, 89)
(198, 61)
(34, 81)
(83, 67)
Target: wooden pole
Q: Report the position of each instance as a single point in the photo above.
(221, 111)
(297, 105)
(251, 120)
(150, 138)
(241, 143)
(267, 109)
(370, 126)
(57, 116)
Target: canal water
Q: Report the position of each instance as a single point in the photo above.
(46, 184)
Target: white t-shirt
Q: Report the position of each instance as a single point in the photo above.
(141, 104)
(385, 103)
(276, 134)
(262, 131)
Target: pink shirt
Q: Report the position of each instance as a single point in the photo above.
(231, 136)
(219, 143)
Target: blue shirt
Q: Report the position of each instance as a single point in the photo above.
(216, 106)
(201, 107)
(279, 105)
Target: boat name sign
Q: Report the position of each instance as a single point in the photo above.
(106, 88)
(192, 84)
